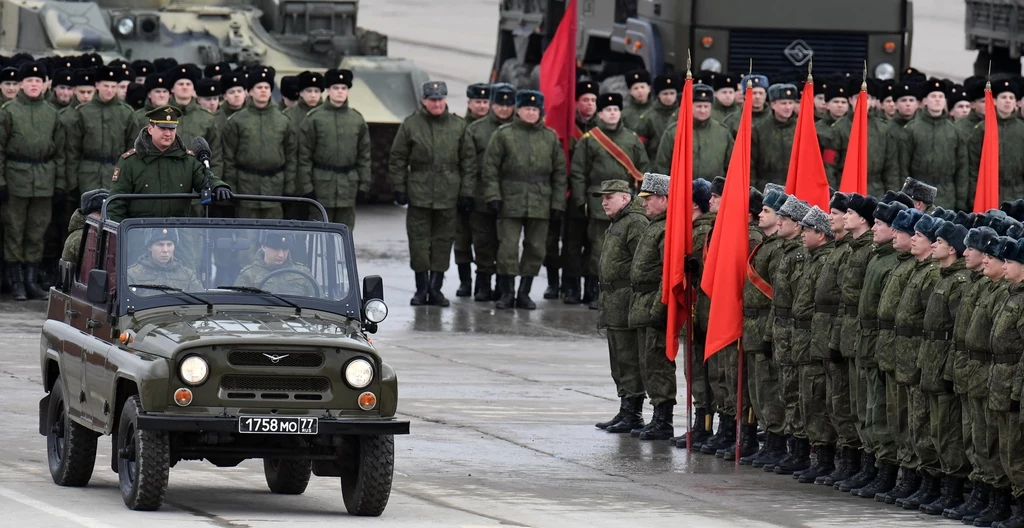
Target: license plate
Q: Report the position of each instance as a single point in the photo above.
(277, 425)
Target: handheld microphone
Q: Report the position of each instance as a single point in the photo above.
(202, 151)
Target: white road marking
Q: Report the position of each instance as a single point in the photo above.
(51, 509)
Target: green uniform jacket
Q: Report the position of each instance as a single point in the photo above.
(195, 121)
(620, 244)
(260, 154)
(31, 148)
(145, 170)
(574, 213)
(935, 358)
(224, 112)
(74, 241)
(653, 124)
(702, 227)
(967, 124)
(780, 331)
(804, 309)
(592, 164)
(173, 274)
(524, 168)
(771, 145)
(732, 122)
(1011, 159)
(765, 260)
(828, 302)
(1007, 345)
(478, 135)
(880, 265)
(428, 162)
(823, 128)
(299, 112)
(851, 280)
(888, 304)
(645, 307)
(97, 133)
(979, 336)
(883, 155)
(712, 149)
(631, 114)
(934, 151)
(51, 97)
(910, 321)
(963, 368)
(720, 112)
(334, 155)
(282, 284)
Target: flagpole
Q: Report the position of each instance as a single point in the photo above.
(739, 400)
(690, 302)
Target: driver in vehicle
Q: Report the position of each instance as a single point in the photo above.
(274, 270)
(159, 267)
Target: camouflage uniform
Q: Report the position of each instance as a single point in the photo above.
(570, 230)
(649, 316)
(846, 393)
(334, 160)
(883, 155)
(1011, 158)
(259, 158)
(771, 143)
(826, 328)
(933, 150)
(814, 302)
(1004, 385)
(712, 149)
(76, 227)
(787, 275)
(964, 369)
(966, 125)
(764, 373)
(653, 124)
(871, 410)
(96, 138)
(732, 122)
(703, 397)
(284, 283)
(633, 110)
(896, 408)
(483, 224)
(224, 112)
(173, 274)
(720, 112)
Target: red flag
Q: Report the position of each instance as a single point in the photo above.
(679, 226)
(855, 171)
(986, 195)
(725, 269)
(806, 179)
(558, 78)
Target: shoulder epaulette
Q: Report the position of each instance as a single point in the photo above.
(128, 154)
(189, 152)
(586, 135)
(5, 104)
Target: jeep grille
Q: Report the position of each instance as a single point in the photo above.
(244, 358)
(234, 382)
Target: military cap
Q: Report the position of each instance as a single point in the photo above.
(106, 73)
(127, 74)
(927, 225)
(756, 200)
(756, 81)
(143, 67)
(962, 218)
(135, 95)
(63, 77)
(208, 88)
(718, 185)
(794, 208)
(213, 70)
(159, 234)
(277, 239)
(836, 90)
(21, 58)
(612, 187)
(906, 220)
(503, 94)
(1003, 225)
(1007, 207)
(338, 76)
(265, 74)
(478, 91)
(637, 76)
(189, 72)
(723, 80)
(165, 116)
(935, 85)
(1017, 253)
(703, 94)
(665, 82)
(979, 238)
(308, 79)
(1002, 248)
(974, 88)
(705, 77)
(1017, 211)
(944, 214)
(90, 60)
(840, 201)
(818, 220)
(92, 201)
(953, 234)
(773, 199)
(289, 87)
(164, 64)
(84, 78)
(9, 74)
(701, 194)
(60, 63)
(863, 205)
(918, 190)
(955, 95)
(1005, 85)
(783, 92)
(886, 212)
(609, 99)
(905, 89)
(774, 186)
(909, 72)
(529, 98)
(821, 87)
(655, 184)
(587, 87)
(894, 196)
(231, 80)
(886, 88)
(434, 90)
(157, 80)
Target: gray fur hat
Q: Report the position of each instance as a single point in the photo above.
(887, 212)
(654, 184)
(783, 91)
(919, 190)
(701, 193)
(944, 214)
(1005, 248)
(953, 234)
(906, 220)
(774, 199)
(818, 220)
(774, 187)
(962, 218)
(794, 208)
(979, 238)
(927, 226)
(434, 90)
(1007, 227)
(92, 201)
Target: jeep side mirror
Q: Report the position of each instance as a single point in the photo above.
(96, 290)
(373, 287)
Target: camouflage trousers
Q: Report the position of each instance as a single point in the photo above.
(985, 437)
(25, 221)
(509, 260)
(463, 238)
(897, 410)
(484, 228)
(947, 433)
(656, 371)
(764, 394)
(624, 358)
(967, 433)
(700, 389)
(790, 391)
(876, 424)
(1011, 448)
(595, 241)
(723, 371)
(919, 427)
(431, 235)
(839, 403)
(814, 406)
(572, 232)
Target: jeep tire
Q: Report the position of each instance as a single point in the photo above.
(287, 476)
(70, 447)
(369, 463)
(143, 461)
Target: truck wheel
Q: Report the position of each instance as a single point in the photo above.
(143, 461)
(287, 476)
(366, 484)
(70, 448)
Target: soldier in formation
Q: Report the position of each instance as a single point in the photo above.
(158, 266)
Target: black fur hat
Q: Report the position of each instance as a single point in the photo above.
(756, 200)
(906, 220)
(919, 190)
(702, 194)
(840, 201)
(1005, 248)
(927, 226)
(92, 201)
(979, 237)
(718, 185)
(896, 196)
(953, 234)
(863, 205)
(886, 212)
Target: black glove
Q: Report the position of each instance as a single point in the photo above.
(1014, 405)
(401, 198)
(360, 197)
(835, 355)
(766, 347)
(222, 194)
(556, 215)
(690, 265)
(494, 206)
(4, 197)
(465, 204)
(59, 195)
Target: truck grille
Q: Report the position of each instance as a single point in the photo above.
(833, 52)
(991, 16)
(244, 358)
(241, 383)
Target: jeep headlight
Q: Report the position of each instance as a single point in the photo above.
(375, 310)
(194, 370)
(125, 26)
(358, 373)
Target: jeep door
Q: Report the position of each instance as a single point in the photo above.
(99, 373)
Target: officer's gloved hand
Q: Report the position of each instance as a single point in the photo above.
(766, 347)
(360, 197)
(465, 204)
(690, 265)
(556, 215)
(222, 194)
(1014, 405)
(835, 355)
(3, 195)
(401, 198)
(494, 206)
(59, 195)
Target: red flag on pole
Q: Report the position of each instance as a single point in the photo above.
(558, 78)
(679, 225)
(806, 179)
(726, 264)
(855, 170)
(986, 194)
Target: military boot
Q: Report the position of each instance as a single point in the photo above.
(465, 281)
(799, 460)
(1017, 520)
(976, 502)
(775, 450)
(506, 287)
(615, 419)
(787, 452)
(572, 290)
(661, 424)
(884, 481)
(698, 432)
(483, 287)
(595, 301)
(928, 491)
(846, 467)
(725, 436)
(523, 295)
(748, 443)
(907, 484)
(632, 418)
(824, 464)
(862, 478)
(16, 280)
(46, 275)
(765, 446)
(589, 289)
(552, 291)
(32, 282)
(434, 295)
(420, 297)
(998, 508)
(951, 496)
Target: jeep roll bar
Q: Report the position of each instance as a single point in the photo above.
(195, 196)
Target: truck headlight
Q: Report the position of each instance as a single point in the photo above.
(375, 310)
(194, 370)
(885, 71)
(711, 64)
(358, 373)
(125, 26)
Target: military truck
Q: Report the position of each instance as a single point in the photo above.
(615, 37)
(151, 345)
(994, 28)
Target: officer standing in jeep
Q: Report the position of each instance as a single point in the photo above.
(274, 255)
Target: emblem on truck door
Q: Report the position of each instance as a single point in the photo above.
(276, 359)
(798, 52)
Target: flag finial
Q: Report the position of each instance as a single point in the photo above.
(689, 74)
(988, 78)
(750, 69)
(810, 66)
(864, 78)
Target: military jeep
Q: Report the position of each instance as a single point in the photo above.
(224, 340)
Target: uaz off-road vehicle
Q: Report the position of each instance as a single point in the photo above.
(155, 338)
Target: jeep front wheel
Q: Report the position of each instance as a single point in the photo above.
(287, 476)
(368, 464)
(143, 461)
(70, 448)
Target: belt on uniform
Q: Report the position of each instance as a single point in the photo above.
(869, 324)
(615, 285)
(783, 313)
(851, 309)
(102, 161)
(802, 325)
(960, 348)
(1004, 359)
(333, 168)
(258, 172)
(886, 325)
(432, 167)
(528, 178)
(756, 312)
(936, 335)
(827, 309)
(983, 355)
(25, 159)
(646, 287)
(909, 332)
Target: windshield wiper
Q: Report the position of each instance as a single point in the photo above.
(250, 289)
(165, 288)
